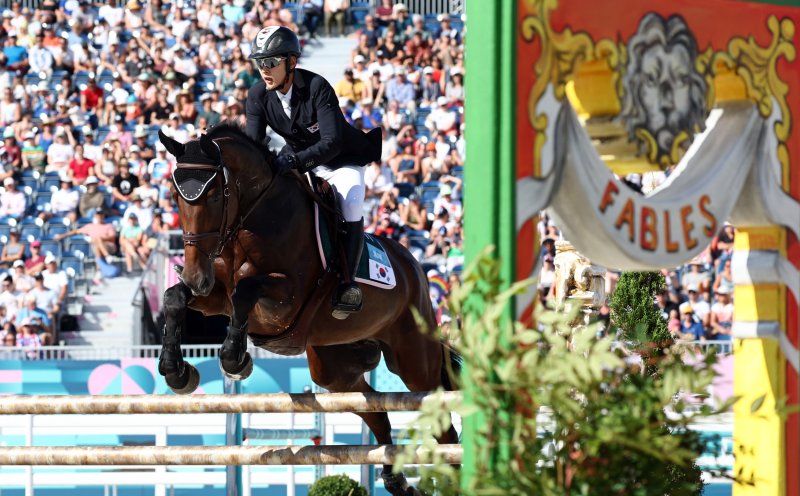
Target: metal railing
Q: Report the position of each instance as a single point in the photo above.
(209, 351)
(121, 352)
(431, 6)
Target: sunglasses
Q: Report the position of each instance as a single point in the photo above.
(269, 62)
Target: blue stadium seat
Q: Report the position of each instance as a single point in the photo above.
(72, 262)
(79, 244)
(43, 201)
(55, 226)
(30, 182)
(358, 14)
(31, 232)
(49, 182)
(52, 246)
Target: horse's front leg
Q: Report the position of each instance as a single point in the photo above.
(181, 377)
(234, 359)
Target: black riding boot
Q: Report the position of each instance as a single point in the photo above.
(348, 296)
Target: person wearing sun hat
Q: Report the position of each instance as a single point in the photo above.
(722, 315)
(55, 280)
(12, 201)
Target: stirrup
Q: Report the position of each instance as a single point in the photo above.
(348, 300)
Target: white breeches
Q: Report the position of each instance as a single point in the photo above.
(349, 184)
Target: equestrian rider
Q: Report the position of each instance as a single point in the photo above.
(302, 107)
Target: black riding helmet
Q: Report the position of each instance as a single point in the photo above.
(274, 41)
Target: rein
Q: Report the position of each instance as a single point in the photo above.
(225, 233)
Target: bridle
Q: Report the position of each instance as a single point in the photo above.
(230, 203)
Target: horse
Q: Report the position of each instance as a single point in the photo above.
(251, 254)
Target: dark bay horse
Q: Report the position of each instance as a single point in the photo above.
(251, 254)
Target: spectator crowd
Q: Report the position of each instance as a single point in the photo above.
(85, 87)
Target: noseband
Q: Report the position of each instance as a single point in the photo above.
(190, 184)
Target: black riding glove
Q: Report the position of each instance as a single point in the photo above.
(285, 163)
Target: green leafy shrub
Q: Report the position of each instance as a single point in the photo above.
(337, 485)
(633, 308)
(557, 410)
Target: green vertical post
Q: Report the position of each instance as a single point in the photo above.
(489, 182)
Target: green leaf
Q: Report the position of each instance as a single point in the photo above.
(757, 403)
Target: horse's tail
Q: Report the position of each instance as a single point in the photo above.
(452, 364)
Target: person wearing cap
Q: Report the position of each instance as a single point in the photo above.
(697, 276)
(12, 159)
(13, 250)
(92, 199)
(302, 108)
(691, 328)
(143, 214)
(12, 201)
(446, 202)
(722, 316)
(131, 239)
(441, 118)
(64, 201)
(700, 308)
(383, 66)
(212, 118)
(61, 151)
(350, 87)
(56, 282)
(123, 183)
(28, 337)
(36, 304)
(10, 108)
(400, 88)
(35, 262)
(430, 89)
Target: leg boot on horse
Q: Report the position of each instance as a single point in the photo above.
(348, 295)
(234, 360)
(180, 376)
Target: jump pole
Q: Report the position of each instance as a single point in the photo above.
(221, 403)
(220, 455)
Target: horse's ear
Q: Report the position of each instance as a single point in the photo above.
(209, 147)
(173, 146)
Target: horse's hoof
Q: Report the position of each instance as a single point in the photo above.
(396, 484)
(186, 383)
(244, 371)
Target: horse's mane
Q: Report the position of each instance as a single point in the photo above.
(232, 129)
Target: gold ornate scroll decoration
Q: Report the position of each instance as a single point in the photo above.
(755, 65)
(559, 54)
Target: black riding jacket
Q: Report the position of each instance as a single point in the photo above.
(317, 132)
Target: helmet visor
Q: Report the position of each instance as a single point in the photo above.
(268, 62)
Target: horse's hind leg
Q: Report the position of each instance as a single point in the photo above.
(234, 360)
(419, 360)
(179, 375)
(340, 369)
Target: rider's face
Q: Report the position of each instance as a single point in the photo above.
(274, 77)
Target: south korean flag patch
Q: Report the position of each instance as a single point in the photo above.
(380, 268)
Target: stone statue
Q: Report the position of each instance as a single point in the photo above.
(577, 278)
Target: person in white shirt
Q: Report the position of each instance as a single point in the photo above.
(145, 215)
(60, 153)
(697, 305)
(382, 65)
(12, 201)
(22, 281)
(55, 280)
(445, 202)
(112, 13)
(39, 57)
(441, 118)
(10, 298)
(64, 201)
